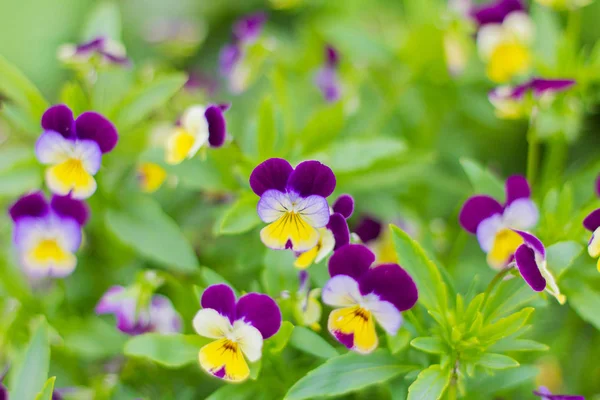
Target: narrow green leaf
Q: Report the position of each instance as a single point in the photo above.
(309, 342)
(483, 181)
(267, 128)
(561, 256)
(472, 309)
(512, 344)
(433, 345)
(281, 338)
(47, 390)
(502, 380)
(430, 384)
(73, 95)
(241, 216)
(172, 351)
(399, 342)
(585, 301)
(497, 361)
(510, 295)
(345, 374)
(506, 326)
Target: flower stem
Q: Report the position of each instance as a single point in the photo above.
(533, 154)
(499, 276)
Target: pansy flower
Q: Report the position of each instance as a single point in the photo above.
(371, 231)
(546, 394)
(530, 259)
(592, 224)
(327, 79)
(493, 223)
(238, 327)
(47, 235)
(293, 202)
(199, 127)
(333, 236)
(134, 318)
(307, 310)
(106, 50)
(504, 38)
(150, 176)
(73, 149)
(517, 102)
(363, 295)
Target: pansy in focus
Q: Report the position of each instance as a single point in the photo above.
(363, 295)
(102, 49)
(592, 224)
(198, 128)
(333, 236)
(47, 235)
(293, 202)
(327, 79)
(307, 309)
(518, 102)
(73, 149)
(150, 176)
(545, 394)
(493, 223)
(238, 327)
(504, 38)
(134, 316)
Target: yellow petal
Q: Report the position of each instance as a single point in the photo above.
(224, 359)
(68, 176)
(508, 60)
(290, 226)
(306, 259)
(358, 323)
(48, 253)
(179, 146)
(151, 176)
(505, 245)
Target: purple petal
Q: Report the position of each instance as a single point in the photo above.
(339, 227)
(228, 58)
(344, 205)
(475, 210)
(29, 205)
(303, 281)
(93, 126)
(326, 80)
(110, 301)
(163, 316)
(270, 174)
(312, 177)
(495, 12)
(516, 188)
(95, 44)
(533, 242)
(115, 58)
(547, 395)
(260, 311)
(541, 86)
(391, 283)
(525, 260)
(248, 28)
(59, 118)
(591, 222)
(68, 207)
(221, 298)
(347, 339)
(332, 57)
(216, 126)
(3, 392)
(352, 260)
(368, 229)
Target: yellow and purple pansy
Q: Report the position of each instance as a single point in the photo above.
(546, 394)
(238, 327)
(518, 102)
(333, 236)
(73, 149)
(504, 38)
(293, 202)
(370, 231)
(47, 235)
(134, 318)
(592, 224)
(493, 223)
(327, 79)
(363, 295)
(199, 127)
(106, 50)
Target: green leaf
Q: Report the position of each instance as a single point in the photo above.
(104, 20)
(47, 390)
(510, 295)
(267, 129)
(323, 126)
(345, 374)
(561, 256)
(497, 361)
(432, 289)
(483, 181)
(144, 100)
(30, 376)
(281, 338)
(279, 273)
(244, 391)
(399, 342)
(433, 345)
(430, 384)
(20, 180)
(506, 326)
(73, 95)
(241, 216)
(585, 301)
(147, 229)
(210, 277)
(503, 380)
(172, 351)
(361, 153)
(309, 342)
(512, 344)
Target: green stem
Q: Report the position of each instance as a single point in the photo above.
(412, 318)
(533, 154)
(554, 162)
(499, 276)
(574, 27)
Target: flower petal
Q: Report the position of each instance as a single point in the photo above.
(368, 229)
(68, 207)
(249, 339)
(390, 283)
(495, 12)
(270, 174)
(487, 230)
(354, 327)
(70, 176)
(290, 231)
(526, 263)
(272, 205)
(533, 242)
(29, 205)
(521, 214)
(228, 57)
(224, 359)
(541, 86)
(59, 118)
(475, 210)
(220, 298)
(352, 260)
(344, 205)
(248, 28)
(387, 315)
(217, 130)
(520, 25)
(545, 394)
(312, 178)
(93, 126)
(339, 228)
(110, 301)
(209, 323)
(48, 257)
(260, 311)
(180, 145)
(53, 148)
(505, 244)
(592, 221)
(489, 39)
(517, 187)
(314, 210)
(90, 155)
(594, 244)
(341, 291)
(163, 316)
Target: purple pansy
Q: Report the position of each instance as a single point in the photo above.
(198, 81)
(238, 327)
(496, 11)
(47, 234)
(107, 50)
(73, 149)
(293, 202)
(368, 229)
(365, 294)
(133, 318)
(493, 223)
(546, 394)
(592, 224)
(327, 79)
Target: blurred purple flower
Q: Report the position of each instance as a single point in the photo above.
(198, 81)
(109, 51)
(326, 78)
(545, 394)
(496, 11)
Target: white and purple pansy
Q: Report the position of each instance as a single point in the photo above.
(363, 295)
(517, 102)
(73, 149)
(198, 128)
(107, 51)
(47, 235)
(333, 236)
(134, 318)
(327, 79)
(546, 394)
(592, 224)
(238, 329)
(493, 223)
(293, 201)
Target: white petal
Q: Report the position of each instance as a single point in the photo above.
(488, 38)
(272, 205)
(249, 339)
(521, 214)
(52, 148)
(89, 152)
(314, 210)
(341, 291)
(520, 26)
(194, 122)
(486, 231)
(327, 244)
(209, 323)
(386, 315)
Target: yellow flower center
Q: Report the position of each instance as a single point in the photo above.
(179, 146)
(49, 250)
(151, 176)
(505, 245)
(508, 60)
